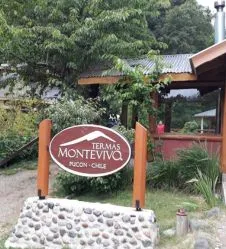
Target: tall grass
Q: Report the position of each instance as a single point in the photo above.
(194, 165)
(191, 159)
(206, 186)
(205, 182)
(163, 174)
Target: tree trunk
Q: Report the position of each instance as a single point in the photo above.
(134, 117)
(124, 114)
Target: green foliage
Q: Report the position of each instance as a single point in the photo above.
(189, 206)
(14, 120)
(69, 184)
(206, 186)
(66, 113)
(112, 183)
(190, 127)
(184, 109)
(16, 129)
(11, 142)
(129, 134)
(205, 181)
(59, 39)
(196, 157)
(163, 174)
(135, 88)
(185, 27)
(177, 173)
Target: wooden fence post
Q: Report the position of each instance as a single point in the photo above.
(140, 161)
(43, 158)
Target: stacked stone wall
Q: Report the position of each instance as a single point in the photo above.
(58, 223)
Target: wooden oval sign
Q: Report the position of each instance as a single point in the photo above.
(90, 150)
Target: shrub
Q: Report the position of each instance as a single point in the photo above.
(163, 174)
(129, 134)
(17, 122)
(190, 127)
(70, 184)
(205, 182)
(177, 173)
(112, 183)
(191, 159)
(11, 142)
(16, 129)
(66, 113)
(206, 186)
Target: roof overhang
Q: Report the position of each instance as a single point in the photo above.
(208, 69)
(210, 59)
(98, 80)
(207, 114)
(174, 77)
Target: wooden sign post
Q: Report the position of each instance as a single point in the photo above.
(43, 158)
(140, 161)
(86, 150)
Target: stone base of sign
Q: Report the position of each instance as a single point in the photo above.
(58, 223)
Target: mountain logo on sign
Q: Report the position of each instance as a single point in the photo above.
(89, 137)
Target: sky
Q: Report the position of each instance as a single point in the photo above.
(207, 3)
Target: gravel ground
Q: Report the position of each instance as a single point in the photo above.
(221, 231)
(14, 190)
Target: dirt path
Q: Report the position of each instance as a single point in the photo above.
(14, 190)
